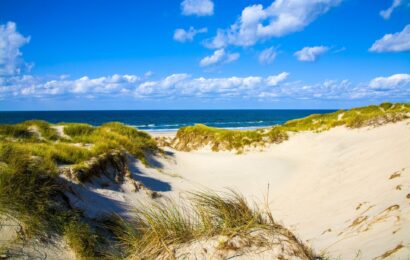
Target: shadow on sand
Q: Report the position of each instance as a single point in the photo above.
(150, 182)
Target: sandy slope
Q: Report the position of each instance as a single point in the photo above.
(344, 191)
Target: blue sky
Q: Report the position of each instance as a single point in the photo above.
(196, 54)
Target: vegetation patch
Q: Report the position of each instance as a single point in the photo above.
(198, 136)
(160, 229)
(32, 156)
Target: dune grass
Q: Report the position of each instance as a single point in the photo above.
(15, 131)
(354, 118)
(31, 191)
(26, 190)
(198, 136)
(160, 228)
(194, 137)
(82, 239)
(76, 130)
(44, 129)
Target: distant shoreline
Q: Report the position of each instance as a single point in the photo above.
(166, 121)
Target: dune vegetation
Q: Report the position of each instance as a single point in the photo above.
(162, 229)
(33, 154)
(199, 136)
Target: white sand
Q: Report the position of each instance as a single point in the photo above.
(170, 134)
(344, 191)
(333, 189)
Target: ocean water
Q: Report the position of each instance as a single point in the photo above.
(165, 120)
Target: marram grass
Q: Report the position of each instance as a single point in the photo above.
(31, 191)
(198, 136)
(160, 228)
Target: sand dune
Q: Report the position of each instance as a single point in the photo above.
(343, 191)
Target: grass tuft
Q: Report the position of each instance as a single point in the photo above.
(162, 227)
(81, 238)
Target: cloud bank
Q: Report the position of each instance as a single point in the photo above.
(182, 85)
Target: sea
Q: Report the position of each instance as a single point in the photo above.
(165, 120)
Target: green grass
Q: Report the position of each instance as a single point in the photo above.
(161, 227)
(81, 239)
(194, 137)
(30, 187)
(354, 118)
(44, 128)
(27, 188)
(198, 136)
(15, 131)
(76, 130)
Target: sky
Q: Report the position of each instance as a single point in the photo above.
(203, 54)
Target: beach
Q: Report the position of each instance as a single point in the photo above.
(330, 186)
(342, 191)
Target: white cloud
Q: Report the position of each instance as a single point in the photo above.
(39, 86)
(219, 57)
(179, 86)
(275, 80)
(197, 7)
(395, 42)
(391, 82)
(310, 53)
(267, 56)
(182, 35)
(387, 13)
(10, 43)
(249, 86)
(280, 18)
